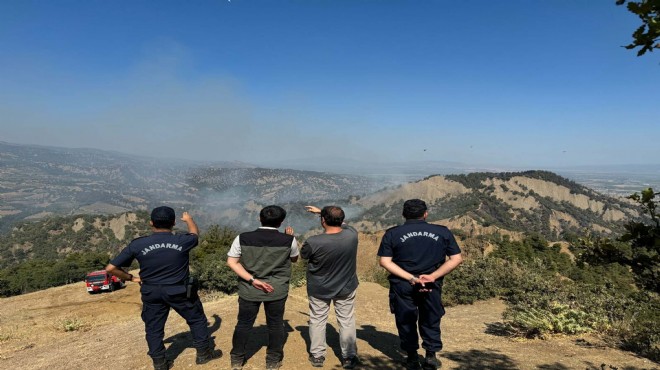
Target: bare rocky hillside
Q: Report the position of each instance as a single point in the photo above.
(535, 201)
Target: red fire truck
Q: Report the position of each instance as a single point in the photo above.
(97, 281)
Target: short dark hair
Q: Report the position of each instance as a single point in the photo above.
(333, 215)
(414, 209)
(163, 217)
(272, 216)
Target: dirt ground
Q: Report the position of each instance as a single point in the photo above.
(107, 332)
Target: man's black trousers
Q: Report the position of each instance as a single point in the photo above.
(156, 303)
(247, 314)
(413, 309)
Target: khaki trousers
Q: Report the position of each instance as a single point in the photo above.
(318, 318)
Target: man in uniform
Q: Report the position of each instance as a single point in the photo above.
(262, 260)
(164, 279)
(331, 277)
(418, 255)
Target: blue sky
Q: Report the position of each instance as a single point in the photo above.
(509, 83)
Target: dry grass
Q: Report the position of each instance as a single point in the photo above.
(106, 331)
(7, 335)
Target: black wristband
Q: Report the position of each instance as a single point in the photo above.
(251, 281)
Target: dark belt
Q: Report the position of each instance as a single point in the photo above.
(164, 285)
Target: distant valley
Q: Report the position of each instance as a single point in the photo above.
(57, 190)
(37, 182)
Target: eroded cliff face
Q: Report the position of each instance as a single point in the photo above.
(558, 193)
(514, 202)
(431, 190)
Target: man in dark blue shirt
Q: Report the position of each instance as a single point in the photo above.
(164, 279)
(418, 255)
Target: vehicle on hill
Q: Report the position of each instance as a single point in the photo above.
(97, 281)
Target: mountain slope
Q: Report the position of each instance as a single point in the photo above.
(37, 182)
(56, 237)
(235, 185)
(476, 204)
(535, 201)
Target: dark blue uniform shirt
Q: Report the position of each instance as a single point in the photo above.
(418, 247)
(163, 257)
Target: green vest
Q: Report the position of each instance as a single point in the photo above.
(265, 255)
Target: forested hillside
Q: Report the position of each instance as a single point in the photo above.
(58, 250)
(277, 185)
(57, 237)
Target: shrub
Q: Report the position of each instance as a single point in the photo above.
(558, 318)
(378, 275)
(546, 311)
(538, 306)
(71, 323)
(214, 274)
(299, 273)
(209, 260)
(474, 280)
(637, 327)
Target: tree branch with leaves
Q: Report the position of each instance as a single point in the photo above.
(647, 35)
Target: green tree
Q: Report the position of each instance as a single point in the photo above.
(209, 259)
(644, 239)
(36, 274)
(646, 36)
(638, 248)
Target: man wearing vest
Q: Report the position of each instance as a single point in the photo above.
(262, 260)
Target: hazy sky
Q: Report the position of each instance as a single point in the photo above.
(520, 83)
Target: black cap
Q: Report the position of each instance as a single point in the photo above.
(163, 213)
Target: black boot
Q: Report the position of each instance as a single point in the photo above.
(412, 362)
(162, 363)
(207, 354)
(431, 362)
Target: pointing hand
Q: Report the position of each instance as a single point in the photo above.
(312, 209)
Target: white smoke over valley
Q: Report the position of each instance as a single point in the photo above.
(157, 109)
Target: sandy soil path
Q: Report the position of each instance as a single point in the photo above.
(111, 336)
